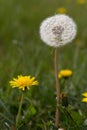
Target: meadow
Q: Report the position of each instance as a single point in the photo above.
(22, 52)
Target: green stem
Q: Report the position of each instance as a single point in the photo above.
(57, 88)
(19, 111)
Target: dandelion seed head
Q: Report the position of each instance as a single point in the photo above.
(58, 30)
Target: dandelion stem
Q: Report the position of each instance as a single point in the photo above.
(19, 111)
(57, 88)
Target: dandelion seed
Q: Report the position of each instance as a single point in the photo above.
(23, 82)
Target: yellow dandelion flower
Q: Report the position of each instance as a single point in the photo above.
(23, 82)
(65, 73)
(84, 94)
(59, 76)
(84, 100)
(85, 97)
(81, 1)
(61, 10)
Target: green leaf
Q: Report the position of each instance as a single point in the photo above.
(32, 110)
(77, 117)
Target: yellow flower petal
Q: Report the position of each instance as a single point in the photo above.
(84, 100)
(84, 94)
(59, 76)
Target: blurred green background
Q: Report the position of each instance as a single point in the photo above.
(23, 52)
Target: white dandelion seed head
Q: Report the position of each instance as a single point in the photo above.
(58, 30)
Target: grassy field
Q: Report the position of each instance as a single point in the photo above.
(23, 52)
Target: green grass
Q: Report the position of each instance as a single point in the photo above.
(23, 52)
